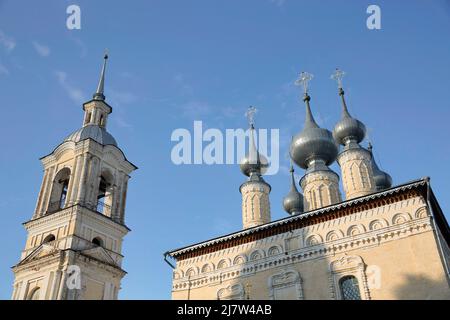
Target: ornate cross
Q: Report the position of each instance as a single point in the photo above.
(303, 80)
(337, 76)
(250, 114)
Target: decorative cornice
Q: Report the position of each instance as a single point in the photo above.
(389, 196)
(74, 210)
(312, 252)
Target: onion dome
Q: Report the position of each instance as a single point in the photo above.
(313, 143)
(293, 202)
(93, 132)
(348, 129)
(253, 162)
(382, 179)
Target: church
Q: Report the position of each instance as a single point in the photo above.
(74, 243)
(377, 241)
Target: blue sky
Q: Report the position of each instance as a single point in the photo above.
(173, 62)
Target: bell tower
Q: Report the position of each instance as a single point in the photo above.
(74, 244)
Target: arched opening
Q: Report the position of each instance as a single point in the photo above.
(49, 238)
(58, 198)
(97, 241)
(34, 294)
(88, 118)
(349, 288)
(102, 121)
(105, 194)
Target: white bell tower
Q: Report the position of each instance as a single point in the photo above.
(74, 244)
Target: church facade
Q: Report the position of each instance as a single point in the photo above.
(379, 242)
(74, 243)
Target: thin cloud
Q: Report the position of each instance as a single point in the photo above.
(122, 123)
(4, 70)
(81, 45)
(195, 109)
(74, 93)
(278, 3)
(184, 87)
(121, 97)
(7, 42)
(42, 50)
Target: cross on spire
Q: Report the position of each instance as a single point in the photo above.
(337, 76)
(250, 114)
(303, 80)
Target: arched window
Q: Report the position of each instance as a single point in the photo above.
(104, 195)
(34, 295)
(102, 121)
(88, 118)
(349, 288)
(62, 199)
(58, 199)
(97, 241)
(49, 238)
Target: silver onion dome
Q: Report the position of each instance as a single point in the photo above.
(348, 128)
(382, 179)
(313, 142)
(93, 132)
(253, 161)
(293, 201)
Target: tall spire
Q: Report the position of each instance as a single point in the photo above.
(99, 94)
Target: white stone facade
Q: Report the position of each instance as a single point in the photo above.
(79, 221)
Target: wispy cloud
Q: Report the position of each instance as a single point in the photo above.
(184, 87)
(42, 50)
(122, 123)
(121, 97)
(278, 3)
(196, 109)
(81, 45)
(74, 93)
(3, 70)
(7, 42)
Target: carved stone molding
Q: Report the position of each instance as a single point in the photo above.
(231, 292)
(284, 280)
(348, 266)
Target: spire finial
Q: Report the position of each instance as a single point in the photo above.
(303, 80)
(250, 114)
(337, 76)
(99, 94)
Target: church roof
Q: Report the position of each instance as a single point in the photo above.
(93, 132)
(300, 220)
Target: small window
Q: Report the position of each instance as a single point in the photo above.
(88, 118)
(65, 186)
(49, 238)
(34, 295)
(102, 121)
(349, 288)
(97, 241)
